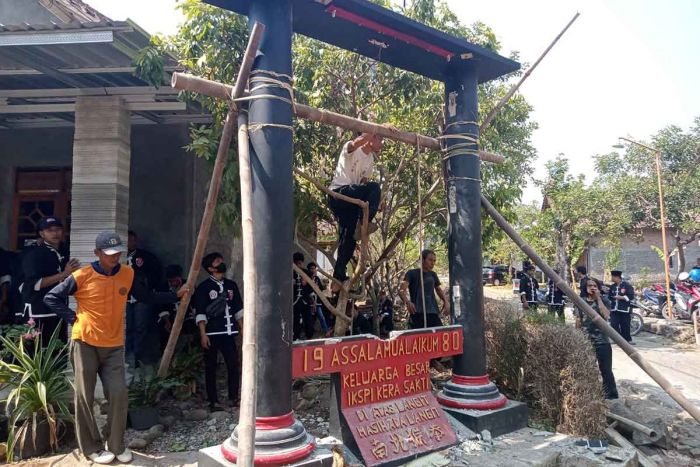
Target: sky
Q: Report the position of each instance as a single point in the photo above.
(624, 68)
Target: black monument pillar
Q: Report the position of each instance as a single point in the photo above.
(279, 438)
(469, 387)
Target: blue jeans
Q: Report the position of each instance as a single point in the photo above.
(141, 329)
(321, 318)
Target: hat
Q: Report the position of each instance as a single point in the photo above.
(47, 222)
(109, 243)
(616, 273)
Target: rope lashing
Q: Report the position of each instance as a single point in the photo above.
(265, 79)
(464, 178)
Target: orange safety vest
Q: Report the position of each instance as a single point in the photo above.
(101, 299)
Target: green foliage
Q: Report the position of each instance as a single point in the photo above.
(149, 65)
(146, 391)
(186, 368)
(632, 179)
(39, 389)
(13, 333)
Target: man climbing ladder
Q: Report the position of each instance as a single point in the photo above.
(352, 179)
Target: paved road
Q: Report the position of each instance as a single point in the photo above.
(680, 364)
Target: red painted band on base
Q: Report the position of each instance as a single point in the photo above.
(471, 380)
(274, 423)
(484, 405)
(283, 458)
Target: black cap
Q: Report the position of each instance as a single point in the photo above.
(616, 273)
(173, 270)
(47, 222)
(109, 242)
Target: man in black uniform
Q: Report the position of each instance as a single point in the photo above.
(581, 277)
(302, 311)
(219, 315)
(620, 295)
(43, 267)
(528, 289)
(141, 320)
(555, 299)
(166, 316)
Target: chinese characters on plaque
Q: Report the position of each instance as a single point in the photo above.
(386, 392)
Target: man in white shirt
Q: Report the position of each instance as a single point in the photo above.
(352, 178)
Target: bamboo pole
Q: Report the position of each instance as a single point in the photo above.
(621, 441)
(212, 196)
(516, 86)
(202, 238)
(633, 425)
(595, 317)
(249, 370)
(667, 274)
(187, 82)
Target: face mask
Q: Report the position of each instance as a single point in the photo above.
(221, 268)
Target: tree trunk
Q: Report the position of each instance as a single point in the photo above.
(680, 246)
(561, 256)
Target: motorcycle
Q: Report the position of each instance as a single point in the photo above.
(685, 298)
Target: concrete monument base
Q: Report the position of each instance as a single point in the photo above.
(509, 418)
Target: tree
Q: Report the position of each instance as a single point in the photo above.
(572, 213)
(210, 44)
(630, 181)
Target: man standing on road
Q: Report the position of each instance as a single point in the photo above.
(555, 299)
(620, 295)
(97, 347)
(601, 342)
(43, 267)
(528, 289)
(430, 316)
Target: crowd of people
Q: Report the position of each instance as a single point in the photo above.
(119, 310)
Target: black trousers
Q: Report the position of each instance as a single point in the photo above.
(620, 322)
(227, 346)
(432, 319)
(603, 353)
(48, 325)
(558, 309)
(303, 319)
(348, 214)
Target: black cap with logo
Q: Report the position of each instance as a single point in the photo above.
(110, 243)
(48, 222)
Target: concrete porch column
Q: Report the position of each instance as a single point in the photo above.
(101, 162)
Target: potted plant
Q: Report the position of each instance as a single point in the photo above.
(143, 396)
(39, 393)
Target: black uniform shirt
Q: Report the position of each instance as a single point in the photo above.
(41, 261)
(308, 294)
(297, 287)
(146, 269)
(219, 304)
(529, 287)
(623, 289)
(554, 295)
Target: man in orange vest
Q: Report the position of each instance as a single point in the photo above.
(101, 290)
